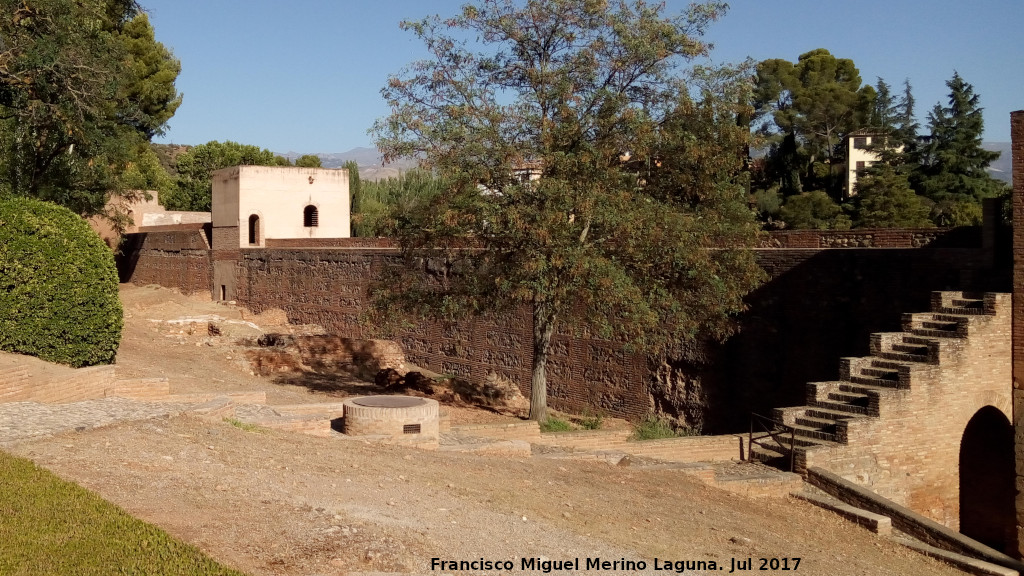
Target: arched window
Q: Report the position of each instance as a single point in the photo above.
(254, 229)
(310, 218)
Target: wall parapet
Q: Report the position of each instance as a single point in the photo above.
(332, 243)
(961, 237)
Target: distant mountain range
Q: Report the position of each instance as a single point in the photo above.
(1002, 168)
(368, 160)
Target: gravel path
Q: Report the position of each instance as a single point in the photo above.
(22, 420)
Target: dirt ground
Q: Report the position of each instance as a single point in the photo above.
(274, 503)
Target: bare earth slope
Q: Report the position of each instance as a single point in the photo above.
(275, 503)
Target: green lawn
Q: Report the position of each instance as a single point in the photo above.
(52, 527)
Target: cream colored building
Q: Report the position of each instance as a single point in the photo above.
(860, 154)
(257, 203)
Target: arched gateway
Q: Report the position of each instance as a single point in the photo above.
(986, 480)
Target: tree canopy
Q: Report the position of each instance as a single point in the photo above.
(635, 226)
(82, 85)
(952, 162)
(309, 161)
(194, 187)
(809, 107)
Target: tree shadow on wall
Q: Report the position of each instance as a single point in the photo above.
(127, 255)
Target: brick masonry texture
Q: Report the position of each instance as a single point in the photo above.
(873, 238)
(912, 437)
(373, 421)
(18, 385)
(1017, 136)
(171, 258)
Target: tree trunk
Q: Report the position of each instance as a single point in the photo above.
(543, 326)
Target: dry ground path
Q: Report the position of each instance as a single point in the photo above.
(273, 503)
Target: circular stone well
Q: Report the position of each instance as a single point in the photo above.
(401, 417)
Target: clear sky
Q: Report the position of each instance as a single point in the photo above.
(305, 75)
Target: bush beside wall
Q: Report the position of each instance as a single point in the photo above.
(58, 286)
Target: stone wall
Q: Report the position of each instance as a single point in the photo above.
(1017, 134)
(873, 238)
(327, 287)
(820, 304)
(172, 256)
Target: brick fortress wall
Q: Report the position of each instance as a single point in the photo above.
(820, 304)
(171, 256)
(1017, 136)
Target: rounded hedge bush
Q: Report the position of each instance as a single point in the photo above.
(58, 286)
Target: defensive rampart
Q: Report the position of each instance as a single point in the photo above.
(822, 301)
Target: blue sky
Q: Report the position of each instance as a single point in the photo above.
(305, 75)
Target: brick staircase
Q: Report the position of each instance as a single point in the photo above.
(868, 387)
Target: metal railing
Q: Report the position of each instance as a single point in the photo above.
(770, 433)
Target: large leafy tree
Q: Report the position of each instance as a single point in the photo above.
(809, 107)
(82, 86)
(636, 225)
(194, 187)
(952, 161)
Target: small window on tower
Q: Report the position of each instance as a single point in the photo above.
(254, 229)
(310, 218)
(860, 142)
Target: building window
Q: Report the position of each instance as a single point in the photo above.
(310, 217)
(254, 229)
(861, 165)
(860, 142)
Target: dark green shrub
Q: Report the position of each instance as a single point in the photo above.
(58, 286)
(553, 424)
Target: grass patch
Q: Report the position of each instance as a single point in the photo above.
(553, 424)
(243, 425)
(50, 526)
(655, 428)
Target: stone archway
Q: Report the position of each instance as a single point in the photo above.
(987, 480)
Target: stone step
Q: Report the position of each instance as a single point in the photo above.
(962, 310)
(877, 382)
(886, 364)
(929, 333)
(812, 433)
(911, 349)
(862, 389)
(834, 410)
(821, 423)
(778, 458)
(952, 318)
(881, 373)
(965, 302)
(904, 357)
(804, 442)
(847, 397)
(922, 341)
(934, 325)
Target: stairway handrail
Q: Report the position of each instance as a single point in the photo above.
(772, 432)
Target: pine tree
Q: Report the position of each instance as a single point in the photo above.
(953, 163)
(907, 125)
(885, 200)
(885, 113)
